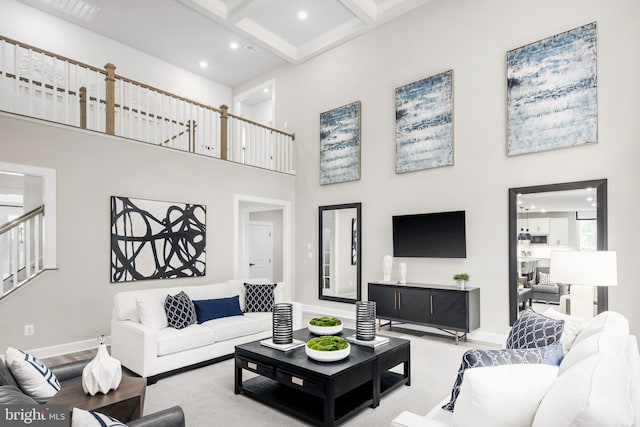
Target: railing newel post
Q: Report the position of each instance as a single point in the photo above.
(224, 121)
(83, 107)
(110, 97)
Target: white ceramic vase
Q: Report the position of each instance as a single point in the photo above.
(103, 373)
(403, 273)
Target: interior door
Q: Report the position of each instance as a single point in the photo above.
(260, 249)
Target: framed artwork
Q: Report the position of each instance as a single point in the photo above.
(340, 144)
(424, 123)
(156, 240)
(552, 92)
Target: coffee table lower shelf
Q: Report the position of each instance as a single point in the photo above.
(310, 408)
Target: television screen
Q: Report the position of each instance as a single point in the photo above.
(432, 235)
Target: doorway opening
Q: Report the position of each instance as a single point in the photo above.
(262, 239)
(257, 104)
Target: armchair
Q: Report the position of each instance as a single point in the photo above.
(71, 373)
(548, 292)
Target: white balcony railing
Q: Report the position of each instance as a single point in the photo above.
(41, 84)
(21, 246)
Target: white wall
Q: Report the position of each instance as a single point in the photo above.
(74, 303)
(31, 26)
(472, 38)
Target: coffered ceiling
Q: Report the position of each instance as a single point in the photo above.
(267, 33)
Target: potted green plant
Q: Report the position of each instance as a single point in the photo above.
(327, 348)
(461, 279)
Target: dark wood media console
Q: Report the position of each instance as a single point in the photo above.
(443, 307)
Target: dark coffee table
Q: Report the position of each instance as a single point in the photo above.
(321, 393)
(126, 403)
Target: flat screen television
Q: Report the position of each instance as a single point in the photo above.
(430, 235)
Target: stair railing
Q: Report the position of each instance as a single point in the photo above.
(41, 84)
(21, 245)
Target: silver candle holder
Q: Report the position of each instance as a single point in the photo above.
(365, 320)
(282, 323)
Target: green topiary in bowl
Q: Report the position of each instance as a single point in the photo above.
(327, 343)
(325, 321)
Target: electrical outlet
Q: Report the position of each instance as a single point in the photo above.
(28, 330)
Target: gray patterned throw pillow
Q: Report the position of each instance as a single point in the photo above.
(551, 355)
(259, 298)
(533, 330)
(180, 310)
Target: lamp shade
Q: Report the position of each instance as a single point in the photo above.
(587, 268)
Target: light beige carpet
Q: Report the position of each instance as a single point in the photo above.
(207, 398)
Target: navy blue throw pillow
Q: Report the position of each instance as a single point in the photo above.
(533, 330)
(208, 309)
(180, 310)
(551, 355)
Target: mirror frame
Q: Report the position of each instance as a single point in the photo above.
(321, 209)
(601, 190)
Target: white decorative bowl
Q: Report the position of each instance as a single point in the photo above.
(327, 356)
(325, 330)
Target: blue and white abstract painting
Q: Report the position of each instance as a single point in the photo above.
(552, 92)
(424, 123)
(340, 144)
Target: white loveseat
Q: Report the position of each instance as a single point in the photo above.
(597, 384)
(145, 344)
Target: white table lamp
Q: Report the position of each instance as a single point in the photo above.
(583, 270)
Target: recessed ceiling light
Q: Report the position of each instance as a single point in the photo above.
(265, 90)
(519, 202)
(302, 15)
(589, 199)
(594, 204)
(532, 207)
(234, 45)
(543, 210)
(203, 64)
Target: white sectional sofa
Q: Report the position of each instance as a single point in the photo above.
(597, 384)
(145, 344)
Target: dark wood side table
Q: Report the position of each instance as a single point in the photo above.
(124, 404)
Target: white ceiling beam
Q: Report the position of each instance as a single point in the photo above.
(215, 9)
(366, 10)
(331, 39)
(268, 39)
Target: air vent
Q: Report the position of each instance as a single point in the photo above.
(78, 8)
(251, 48)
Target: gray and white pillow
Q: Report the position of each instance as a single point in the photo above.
(543, 278)
(180, 310)
(33, 377)
(533, 330)
(259, 298)
(551, 355)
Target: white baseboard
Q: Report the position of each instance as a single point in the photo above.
(347, 314)
(72, 347)
(488, 337)
(477, 336)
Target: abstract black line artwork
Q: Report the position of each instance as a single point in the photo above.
(156, 240)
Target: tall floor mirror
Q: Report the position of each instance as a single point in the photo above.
(569, 216)
(340, 253)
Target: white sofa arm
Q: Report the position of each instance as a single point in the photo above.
(409, 419)
(134, 345)
(297, 314)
